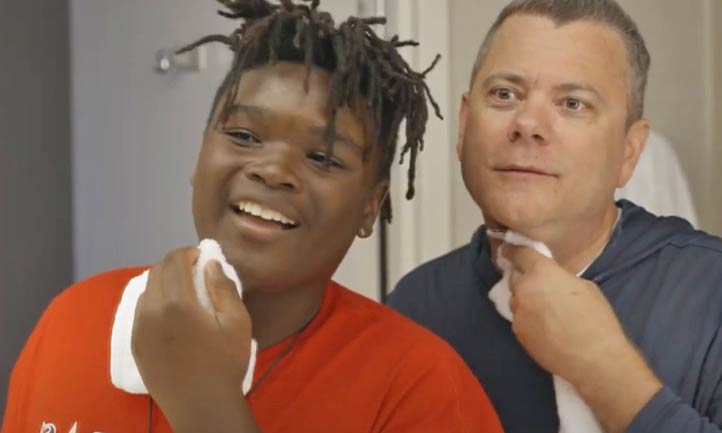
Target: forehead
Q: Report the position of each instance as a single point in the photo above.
(279, 90)
(580, 51)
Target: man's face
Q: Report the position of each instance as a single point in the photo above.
(543, 141)
(262, 189)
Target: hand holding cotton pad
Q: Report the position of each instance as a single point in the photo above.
(574, 414)
(124, 372)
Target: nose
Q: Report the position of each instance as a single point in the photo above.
(275, 170)
(531, 124)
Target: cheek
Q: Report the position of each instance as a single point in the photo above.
(204, 213)
(593, 167)
(484, 137)
(486, 128)
(209, 189)
(336, 221)
(342, 205)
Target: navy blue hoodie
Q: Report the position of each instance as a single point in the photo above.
(664, 281)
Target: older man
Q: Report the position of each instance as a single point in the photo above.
(629, 310)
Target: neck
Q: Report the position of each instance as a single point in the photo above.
(278, 315)
(574, 246)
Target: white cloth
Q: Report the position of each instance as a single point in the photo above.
(574, 414)
(124, 372)
(659, 183)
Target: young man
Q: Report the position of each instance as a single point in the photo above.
(294, 165)
(551, 125)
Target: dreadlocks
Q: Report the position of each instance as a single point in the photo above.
(358, 60)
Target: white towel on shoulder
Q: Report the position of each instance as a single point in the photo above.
(574, 414)
(123, 369)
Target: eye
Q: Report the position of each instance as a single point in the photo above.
(324, 160)
(243, 136)
(503, 93)
(575, 104)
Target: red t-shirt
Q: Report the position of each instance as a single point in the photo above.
(357, 367)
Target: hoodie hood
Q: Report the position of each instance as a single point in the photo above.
(638, 235)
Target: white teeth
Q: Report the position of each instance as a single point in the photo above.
(254, 209)
(264, 213)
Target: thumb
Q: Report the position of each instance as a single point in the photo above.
(523, 258)
(221, 289)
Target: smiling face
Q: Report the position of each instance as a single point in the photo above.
(543, 136)
(263, 188)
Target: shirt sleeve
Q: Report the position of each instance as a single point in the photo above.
(401, 298)
(436, 392)
(18, 395)
(667, 412)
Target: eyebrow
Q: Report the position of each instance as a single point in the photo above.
(321, 131)
(506, 76)
(577, 87)
(338, 138)
(246, 109)
(564, 87)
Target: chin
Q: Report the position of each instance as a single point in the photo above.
(517, 213)
(263, 281)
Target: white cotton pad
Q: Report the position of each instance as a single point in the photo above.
(124, 372)
(211, 250)
(500, 294)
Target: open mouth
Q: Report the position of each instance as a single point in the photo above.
(263, 214)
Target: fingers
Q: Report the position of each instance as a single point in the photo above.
(171, 282)
(222, 290)
(178, 274)
(147, 306)
(522, 258)
(171, 279)
(513, 303)
(514, 278)
(529, 268)
(153, 287)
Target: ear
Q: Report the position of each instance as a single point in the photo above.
(373, 207)
(634, 143)
(463, 113)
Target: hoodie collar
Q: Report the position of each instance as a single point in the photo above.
(637, 235)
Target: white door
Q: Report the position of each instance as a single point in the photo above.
(136, 133)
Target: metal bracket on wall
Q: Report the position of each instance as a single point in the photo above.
(371, 8)
(167, 61)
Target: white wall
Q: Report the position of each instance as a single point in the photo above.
(680, 99)
(714, 214)
(421, 230)
(135, 133)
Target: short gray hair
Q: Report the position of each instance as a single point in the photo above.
(606, 12)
